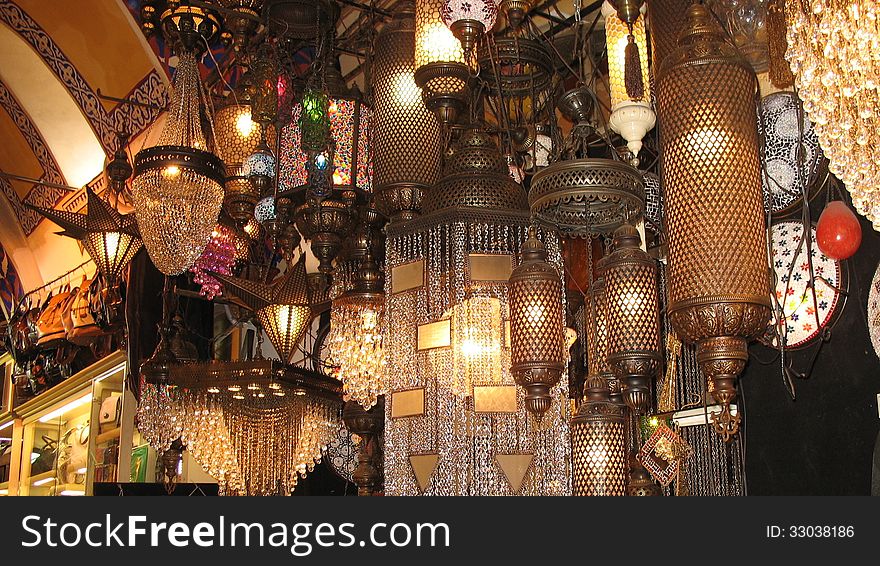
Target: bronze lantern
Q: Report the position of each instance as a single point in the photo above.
(633, 317)
(325, 222)
(536, 325)
(406, 137)
(719, 296)
(598, 443)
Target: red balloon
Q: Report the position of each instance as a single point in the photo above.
(838, 233)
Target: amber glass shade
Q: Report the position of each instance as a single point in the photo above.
(616, 38)
(237, 136)
(633, 317)
(285, 325)
(713, 211)
(536, 325)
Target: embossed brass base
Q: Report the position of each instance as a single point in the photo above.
(635, 370)
(722, 359)
(537, 383)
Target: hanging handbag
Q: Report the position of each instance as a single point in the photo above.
(84, 328)
(22, 333)
(107, 304)
(110, 410)
(46, 455)
(50, 325)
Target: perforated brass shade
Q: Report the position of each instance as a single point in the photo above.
(236, 135)
(633, 317)
(111, 239)
(536, 325)
(282, 307)
(406, 137)
(598, 444)
(596, 322)
(718, 282)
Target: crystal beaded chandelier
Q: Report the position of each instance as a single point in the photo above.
(833, 49)
(447, 343)
(356, 333)
(177, 188)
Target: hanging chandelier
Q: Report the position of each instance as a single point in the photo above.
(580, 195)
(447, 348)
(598, 443)
(406, 137)
(713, 214)
(440, 70)
(177, 188)
(633, 313)
(356, 335)
(254, 426)
(833, 48)
(631, 113)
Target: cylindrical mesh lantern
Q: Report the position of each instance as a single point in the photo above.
(718, 282)
(406, 137)
(598, 443)
(633, 317)
(439, 62)
(536, 325)
(631, 112)
(177, 188)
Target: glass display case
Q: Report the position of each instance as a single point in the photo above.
(74, 435)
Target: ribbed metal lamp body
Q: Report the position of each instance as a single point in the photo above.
(406, 136)
(718, 278)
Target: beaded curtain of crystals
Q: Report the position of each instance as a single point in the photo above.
(456, 423)
(834, 52)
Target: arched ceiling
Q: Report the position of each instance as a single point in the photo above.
(56, 58)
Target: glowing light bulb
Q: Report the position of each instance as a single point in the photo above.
(244, 124)
(171, 172)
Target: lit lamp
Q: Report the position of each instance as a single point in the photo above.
(633, 317)
(328, 137)
(469, 19)
(111, 239)
(596, 322)
(713, 212)
(631, 113)
(536, 325)
(439, 61)
(355, 339)
(406, 138)
(282, 307)
(177, 190)
(598, 443)
(237, 137)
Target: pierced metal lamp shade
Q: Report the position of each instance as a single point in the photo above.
(406, 137)
(282, 307)
(536, 325)
(439, 62)
(111, 239)
(718, 278)
(598, 443)
(237, 138)
(633, 318)
(177, 189)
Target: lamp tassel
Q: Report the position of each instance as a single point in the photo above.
(779, 70)
(666, 400)
(632, 69)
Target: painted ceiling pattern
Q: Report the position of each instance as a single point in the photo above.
(38, 195)
(130, 118)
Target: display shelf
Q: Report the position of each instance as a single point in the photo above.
(39, 480)
(111, 434)
(70, 489)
